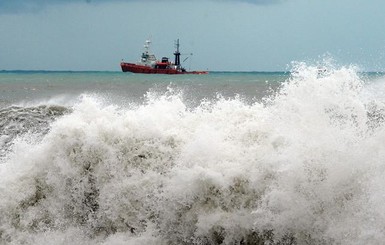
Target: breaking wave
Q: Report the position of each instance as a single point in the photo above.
(17, 121)
(304, 166)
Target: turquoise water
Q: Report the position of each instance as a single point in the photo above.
(224, 158)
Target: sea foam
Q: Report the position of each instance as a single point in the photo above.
(304, 166)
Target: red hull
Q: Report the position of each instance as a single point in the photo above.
(130, 67)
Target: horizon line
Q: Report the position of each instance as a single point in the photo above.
(117, 71)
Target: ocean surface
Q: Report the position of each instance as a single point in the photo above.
(224, 158)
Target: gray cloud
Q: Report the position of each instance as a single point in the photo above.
(19, 6)
(258, 1)
(16, 6)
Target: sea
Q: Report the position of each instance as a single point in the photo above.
(226, 158)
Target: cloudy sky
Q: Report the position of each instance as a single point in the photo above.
(223, 35)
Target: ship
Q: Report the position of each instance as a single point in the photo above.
(148, 63)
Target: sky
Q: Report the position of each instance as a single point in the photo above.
(222, 35)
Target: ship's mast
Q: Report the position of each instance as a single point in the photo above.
(177, 54)
(147, 46)
(146, 53)
(147, 58)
